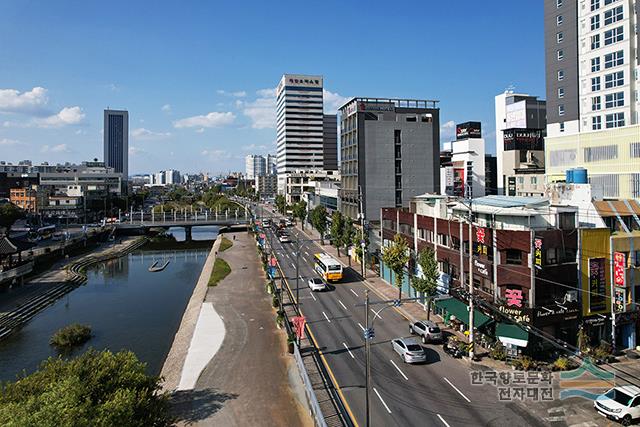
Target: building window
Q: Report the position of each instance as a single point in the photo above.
(595, 5)
(595, 84)
(595, 22)
(595, 103)
(614, 80)
(614, 120)
(521, 180)
(560, 54)
(600, 153)
(559, 20)
(559, 37)
(596, 123)
(634, 149)
(514, 256)
(613, 35)
(614, 59)
(561, 110)
(613, 15)
(560, 92)
(608, 2)
(595, 64)
(558, 4)
(561, 126)
(411, 119)
(595, 41)
(614, 100)
(560, 75)
(534, 180)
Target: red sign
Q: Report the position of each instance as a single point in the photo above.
(298, 324)
(480, 235)
(514, 297)
(273, 261)
(618, 268)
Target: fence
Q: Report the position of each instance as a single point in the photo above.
(308, 387)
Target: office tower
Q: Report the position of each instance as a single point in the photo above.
(389, 148)
(255, 165)
(463, 172)
(518, 113)
(116, 141)
(300, 122)
(330, 142)
(592, 71)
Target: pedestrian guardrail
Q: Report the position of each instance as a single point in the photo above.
(308, 388)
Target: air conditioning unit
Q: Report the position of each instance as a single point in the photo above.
(571, 296)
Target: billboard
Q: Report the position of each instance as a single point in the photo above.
(618, 268)
(469, 130)
(597, 284)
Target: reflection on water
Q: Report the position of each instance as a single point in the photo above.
(205, 232)
(127, 307)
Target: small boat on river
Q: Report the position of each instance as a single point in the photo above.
(155, 267)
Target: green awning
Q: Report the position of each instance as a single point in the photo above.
(459, 309)
(510, 333)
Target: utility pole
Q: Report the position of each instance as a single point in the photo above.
(367, 349)
(471, 343)
(362, 241)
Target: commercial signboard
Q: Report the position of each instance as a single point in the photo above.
(619, 298)
(619, 262)
(597, 284)
(376, 106)
(468, 130)
(537, 253)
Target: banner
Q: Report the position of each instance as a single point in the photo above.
(298, 324)
(597, 284)
(618, 268)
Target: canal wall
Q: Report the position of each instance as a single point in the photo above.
(173, 365)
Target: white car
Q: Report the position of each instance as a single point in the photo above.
(284, 238)
(316, 284)
(620, 404)
(409, 350)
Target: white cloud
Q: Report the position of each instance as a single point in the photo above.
(134, 151)
(143, 134)
(60, 148)
(113, 87)
(211, 120)
(9, 142)
(66, 116)
(31, 102)
(216, 154)
(333, 101)
(166, 108)
(201, 130)
(262, 111)
(254, 148)
(238, 94)
(447, 130)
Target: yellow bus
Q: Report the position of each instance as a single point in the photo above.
(328, 267)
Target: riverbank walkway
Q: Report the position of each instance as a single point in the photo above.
(251, 380)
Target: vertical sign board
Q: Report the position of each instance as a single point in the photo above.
(537, 253)
(618, 268)
(619, 299)
(597, 284)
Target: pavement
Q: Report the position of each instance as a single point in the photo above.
(251, 380)
(437, 393)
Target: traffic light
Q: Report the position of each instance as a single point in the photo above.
(369, 333)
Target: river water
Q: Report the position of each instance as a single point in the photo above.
(126, 306)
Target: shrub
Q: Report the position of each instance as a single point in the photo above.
(96, 388)
(498, 352)
(70, 336)
(221, 269)
(562, 364)
(280, 319)
(225, 244)
(602, 352)
(524, 363)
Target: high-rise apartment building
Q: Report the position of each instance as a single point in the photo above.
(389, 149)
(272, 165)
(592, 93)
(255, 165)
(299, 125)
(116, 141)
(330, 142)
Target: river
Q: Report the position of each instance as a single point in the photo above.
(127, 307)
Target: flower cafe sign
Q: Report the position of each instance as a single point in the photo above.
(514, 306)
(480, 245)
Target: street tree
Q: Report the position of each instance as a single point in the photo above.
(300, 211)
(426, 282)
(337, 228)
(348, 234)
(9, 213)
(281, 203)
(319, 221)
(396, 256)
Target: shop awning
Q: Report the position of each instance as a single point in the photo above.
(459, 309)
(510, 333)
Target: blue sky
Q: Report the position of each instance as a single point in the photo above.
(198, 77)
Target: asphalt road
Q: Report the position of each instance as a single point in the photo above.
(438, 393)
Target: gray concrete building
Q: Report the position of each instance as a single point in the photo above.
(116, 141)
(390, 150)
(330, 142)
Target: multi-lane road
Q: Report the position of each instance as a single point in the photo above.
(438, 393)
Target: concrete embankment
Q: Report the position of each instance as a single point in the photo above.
(174, 364)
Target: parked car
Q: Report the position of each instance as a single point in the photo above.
(316, 284)
(284, 238)
(409, 350)
(428, 330)
(620, 404)
(266, 222)
(288, 222)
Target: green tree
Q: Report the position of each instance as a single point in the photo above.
(396, 256)
(9, 213)
(337, 229)
(96, 388)
(348, 234)
(357, 242)
(281, 204)
(426, 282)
(300, 211)
(319, 221)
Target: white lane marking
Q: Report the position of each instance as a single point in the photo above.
(353, 292)
(376, 314)
(325, 316)
(401, 373)
(343, 306)
(313, 296)
(361, 327)
(456, 389)
(443, 421)
(380, 397)
(307, 253)
(300, 277)
(293, 265)
(351, 354)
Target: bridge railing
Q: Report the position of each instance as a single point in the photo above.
(184, 216)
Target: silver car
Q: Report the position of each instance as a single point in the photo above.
(428, 330)
(409, 350)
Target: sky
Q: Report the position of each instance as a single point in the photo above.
(198, 77)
